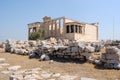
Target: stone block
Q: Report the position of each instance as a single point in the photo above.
(4, 64)
(111, 50)
(74, 49)
(16, 77)
(6, 72)
(85, 78)
(117, 65)
(56, 75)
(13, 68)
(67, 77)
(2, 60)
(89, 49)
(46, 75)
(44, 57)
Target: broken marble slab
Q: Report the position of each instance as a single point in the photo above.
(16, 77)
(14, 68)
(6, 72)
(4, 64)
(2, 60)
(67, 77)
(85, 78)
(33, 77)
(44, 57)
(56, 75)
(46, 75)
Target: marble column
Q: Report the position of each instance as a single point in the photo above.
(52, 28)
(29, 29)
(59, 27)
(69, 28)
(74, 29)
(77, 29)
(55, 28)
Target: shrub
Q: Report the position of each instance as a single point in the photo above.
(40, 34)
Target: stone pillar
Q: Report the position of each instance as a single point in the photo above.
(77, 28)
(74, 29)
(83, 29)
(56, 33)
(69, 28)
(64, 28)
(29, 31)
(52, 28)
(59, 27)
(48, 30)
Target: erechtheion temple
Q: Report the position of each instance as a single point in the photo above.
(63, 27)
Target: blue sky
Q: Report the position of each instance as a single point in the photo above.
(16, 14)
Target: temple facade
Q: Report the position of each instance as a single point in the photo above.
(63, 27)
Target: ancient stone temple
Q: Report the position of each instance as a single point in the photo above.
(63, 27)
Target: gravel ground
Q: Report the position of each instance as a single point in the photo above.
(59, 66)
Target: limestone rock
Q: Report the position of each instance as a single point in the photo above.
(111, 58)
(74, 49)
(6, 72)
(97, 46)
(108, 66)
(53, 40)
(84, 78)
(89, 49)
(16, 77)
(117, 66)
(32, 54)
(80, 44)
(67, 77)
(59, 42)
(32, 43)
(4, 64)
(44, 57)
(2, 60)
(33, 77)
(98, 62)
(56, 75)
(111, 50)
(14, 68)
(46, 75)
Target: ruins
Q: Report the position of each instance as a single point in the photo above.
(65, 28)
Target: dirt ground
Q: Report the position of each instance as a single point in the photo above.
(60, 66)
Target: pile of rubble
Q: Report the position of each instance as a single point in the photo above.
(39, 74)
(71, 49)
(53, 47)
(111, 59)
(63, 48)
(19, 47)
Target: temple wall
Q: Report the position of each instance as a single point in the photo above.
(57, 28)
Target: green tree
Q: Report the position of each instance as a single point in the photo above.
(40, 34)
